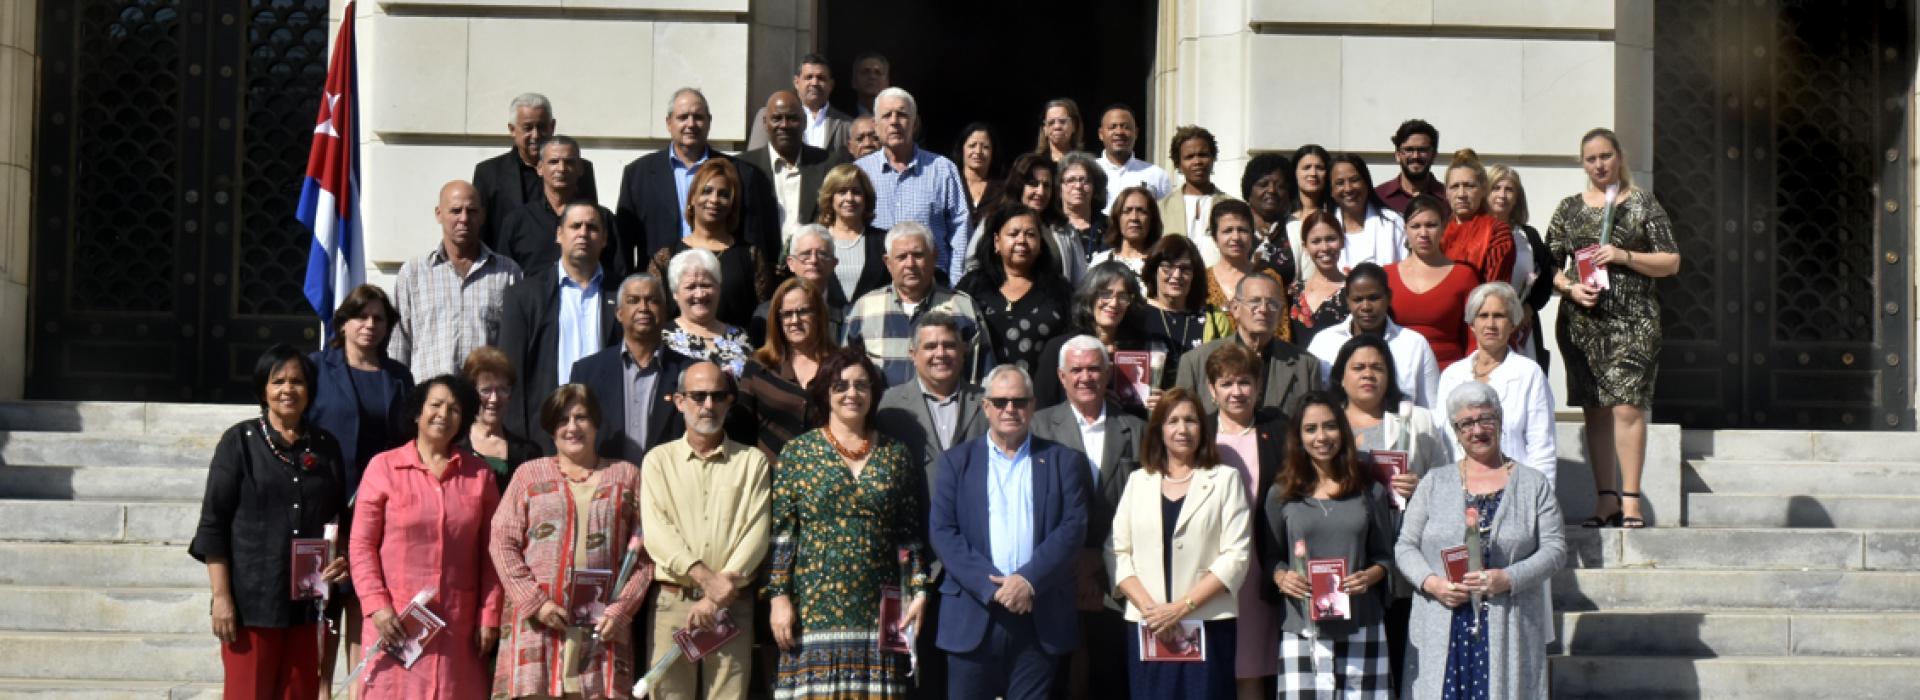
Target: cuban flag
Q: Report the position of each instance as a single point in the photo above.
(330, 193)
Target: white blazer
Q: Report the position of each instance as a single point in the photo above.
(1526, 410)
(1213, 534)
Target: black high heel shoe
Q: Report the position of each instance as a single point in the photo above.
(1609, 521)
(1628, 523)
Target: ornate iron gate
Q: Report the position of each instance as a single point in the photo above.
(1781, 152)
(172, 138)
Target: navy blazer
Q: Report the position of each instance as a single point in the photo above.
(530, 337)
(604, 374)
(649, 212)
(959, 532)
(336, 409)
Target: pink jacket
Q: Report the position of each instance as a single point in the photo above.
(412, 531)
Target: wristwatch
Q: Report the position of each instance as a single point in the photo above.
(1190, 606)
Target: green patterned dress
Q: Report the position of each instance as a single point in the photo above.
(1611, 350)
(836, 541)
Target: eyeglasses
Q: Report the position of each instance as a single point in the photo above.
(813, 255)
(795, 314)
(1111, 295)
(1018, 403)
(1466, 424)
(1177, 270)
(1075, 181)
(492, 392)
(841, 386)
(1258, 303)
(700, 397)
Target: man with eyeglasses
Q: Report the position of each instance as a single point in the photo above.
(882, 320)
(810, 257)
(1258, 307)
(1414, 145)
(634, 379)
(705, 504)
(1009, 518)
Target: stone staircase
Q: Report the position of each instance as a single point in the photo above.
(98, 598)
(1796, 575)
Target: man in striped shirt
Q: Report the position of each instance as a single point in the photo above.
(882, 320)
(449, 299)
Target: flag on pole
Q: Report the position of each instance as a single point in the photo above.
(330, 193)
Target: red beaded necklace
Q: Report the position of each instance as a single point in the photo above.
(854, 455)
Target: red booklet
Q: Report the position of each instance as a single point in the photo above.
(1189, 647)
(1591, 274)
(698, 643)
(892, 638)
(421, 627)
(1133, 375)
(309, 564)
(1386, 465)
(588, 595)
(1455, 559)
(1329, 602)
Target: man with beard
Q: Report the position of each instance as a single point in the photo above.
(706, 506)
(1414, 144)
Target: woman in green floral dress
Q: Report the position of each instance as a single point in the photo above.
(848, 519)
(1610, 337)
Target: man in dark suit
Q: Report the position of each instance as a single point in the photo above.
(1289, 372)
(527, 236)
(653, 190)
(635, 380)
(1089, 423)
(794, 168)
(549, 320)
(823, 126)
(1008, 522)
(508, 181)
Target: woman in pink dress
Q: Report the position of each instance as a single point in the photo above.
(421, 522)
(1249, 441)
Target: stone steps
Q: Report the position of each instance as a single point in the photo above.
(104, 565)
(134, 610)
(46, 689)
(121, 417)
(1816, 549)
(1731, 678)
(104, 656)
(103, 483)
(107, 449)
(98, 521)
(1738, 633)
(1804, 477)
(1712, 590)
(1867, 511)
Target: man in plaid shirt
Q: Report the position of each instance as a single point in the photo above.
(449, 299)
(882, 320)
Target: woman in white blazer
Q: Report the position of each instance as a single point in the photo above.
(1526, 399)
(1181, 541)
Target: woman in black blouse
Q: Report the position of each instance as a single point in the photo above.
(1174, 316)
(272, 479)
(1018, 287)
(714, 210)
(1104, 306)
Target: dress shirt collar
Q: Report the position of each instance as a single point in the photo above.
(1080, 419)
(814, 116)
(780, 162)
(626, 355)
(1026, 448)
(673, 156)
(566, 280)
(951, 396)
(721, 454)
(915, 162)
(438, 256)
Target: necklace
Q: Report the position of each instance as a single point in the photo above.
(853, 455)
(1181, 480)
(1186, 329)
(306, 454)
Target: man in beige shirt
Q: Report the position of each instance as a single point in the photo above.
(705, 508)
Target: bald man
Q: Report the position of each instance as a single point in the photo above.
(795, 167)
(448, 300)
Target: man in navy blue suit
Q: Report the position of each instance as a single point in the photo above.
(1009, 514)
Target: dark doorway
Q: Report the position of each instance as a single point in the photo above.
(172, 136)
(998, 61)
(1782, 155)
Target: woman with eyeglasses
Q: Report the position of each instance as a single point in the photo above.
(773, 392)
(1103, 307)
(492, 376)
(1083, 190)
(849, 515)
(1175, 313)
(1494, 647)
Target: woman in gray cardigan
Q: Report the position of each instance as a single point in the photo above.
(1499, 650)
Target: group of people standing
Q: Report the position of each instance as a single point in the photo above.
(914, 427)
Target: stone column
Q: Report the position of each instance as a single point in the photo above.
(19, 30)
